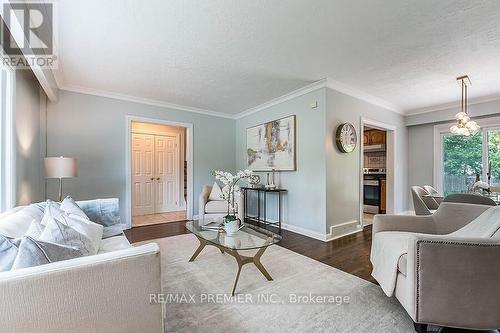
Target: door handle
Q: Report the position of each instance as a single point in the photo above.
(158, 178)
(152, 178)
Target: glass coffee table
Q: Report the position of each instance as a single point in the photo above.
(247, 238)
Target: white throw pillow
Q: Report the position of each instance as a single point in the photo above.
(69, 206)
(216, 193)
(52, 211)
(74, 231)
(15, 225)
(35, 229)
(91, 230)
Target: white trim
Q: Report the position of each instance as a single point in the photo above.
(286, 97)
(354, 224)
(306, 232)
(351, 91)
(128, 171)
(391, 158)
(442, 129)
(141, 100)
(452, 105)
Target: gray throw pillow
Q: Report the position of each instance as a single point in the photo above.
(33, 253)
(69, 206)
(59, 233)
(8, 252)
(102, 211)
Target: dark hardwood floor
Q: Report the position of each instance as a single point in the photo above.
(350, 254)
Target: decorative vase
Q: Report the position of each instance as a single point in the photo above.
(231, 224)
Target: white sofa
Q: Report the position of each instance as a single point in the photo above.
(107, 292)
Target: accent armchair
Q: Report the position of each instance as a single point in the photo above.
(443, 268)
(217, 208)
(423, 205)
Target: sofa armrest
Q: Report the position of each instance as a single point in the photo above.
(456, 282)
(109, 292)
(203, 199)
(408, 223)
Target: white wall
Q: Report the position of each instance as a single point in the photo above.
(343, 170)
(304, 204)
(93, 129)
(29, 129)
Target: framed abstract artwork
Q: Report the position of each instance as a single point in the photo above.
(272, 145)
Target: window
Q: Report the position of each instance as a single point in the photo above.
(7, 175)
(464, 160)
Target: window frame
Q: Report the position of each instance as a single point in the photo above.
(487, 124)
(7, 138)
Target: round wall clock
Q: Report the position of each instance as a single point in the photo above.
(346, 138)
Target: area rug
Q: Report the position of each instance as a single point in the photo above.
(304, 296)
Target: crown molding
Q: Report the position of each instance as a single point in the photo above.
(278, 100)
(141, 100)
(356, 93)
(452, 105)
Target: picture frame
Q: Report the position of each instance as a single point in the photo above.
(272, 145)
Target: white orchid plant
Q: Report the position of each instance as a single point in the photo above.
(230, 188)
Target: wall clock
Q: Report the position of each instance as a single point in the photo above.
(346, 138)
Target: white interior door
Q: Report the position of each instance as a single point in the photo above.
(143, 181)
(167, 151)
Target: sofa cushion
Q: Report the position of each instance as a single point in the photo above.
(114, 244)
(61, 234)
(15, 225)
(216, 193)
(8, 252)
(69, 206)
(33, 252)
(402, 264)
(218, 206)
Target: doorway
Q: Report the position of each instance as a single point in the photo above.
(376, 170)
(158, 164)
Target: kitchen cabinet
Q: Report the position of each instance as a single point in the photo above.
(374, 137)
(383, 201)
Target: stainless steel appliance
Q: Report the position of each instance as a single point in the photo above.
(371, 196)
(374, 171)
(374, 148)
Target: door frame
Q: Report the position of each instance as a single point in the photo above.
(390, 164)
(128, 168)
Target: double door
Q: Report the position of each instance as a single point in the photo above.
(155, 173)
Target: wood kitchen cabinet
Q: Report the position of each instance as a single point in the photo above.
(383, 201)
(374, 137)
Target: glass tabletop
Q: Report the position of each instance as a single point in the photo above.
(247, 238)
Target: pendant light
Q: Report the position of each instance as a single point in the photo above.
(465, 126)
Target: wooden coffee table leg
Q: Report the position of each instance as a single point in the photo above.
(202, 245)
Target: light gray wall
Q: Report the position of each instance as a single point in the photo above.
(304, 204)
(93, 129)
(421, 155)
(29, 128)
(343, 170)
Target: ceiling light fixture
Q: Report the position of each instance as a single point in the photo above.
(465, 125)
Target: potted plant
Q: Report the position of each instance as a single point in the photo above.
(231, 222)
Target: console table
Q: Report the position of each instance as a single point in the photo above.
(262, 191)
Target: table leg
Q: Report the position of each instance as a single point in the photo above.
(202, 245)
(265, 210)
(256, 261)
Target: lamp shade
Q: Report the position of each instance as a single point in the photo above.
(60, 167)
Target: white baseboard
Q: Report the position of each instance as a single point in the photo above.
(344, 229)
(305, 232)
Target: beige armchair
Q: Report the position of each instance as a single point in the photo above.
(217, 208)
(443, 268)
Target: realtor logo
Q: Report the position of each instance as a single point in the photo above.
(28, 34)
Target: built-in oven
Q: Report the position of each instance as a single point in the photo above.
(371, 194)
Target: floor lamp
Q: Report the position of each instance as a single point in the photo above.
(60, 167)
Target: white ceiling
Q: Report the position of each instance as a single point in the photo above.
(232, 55)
